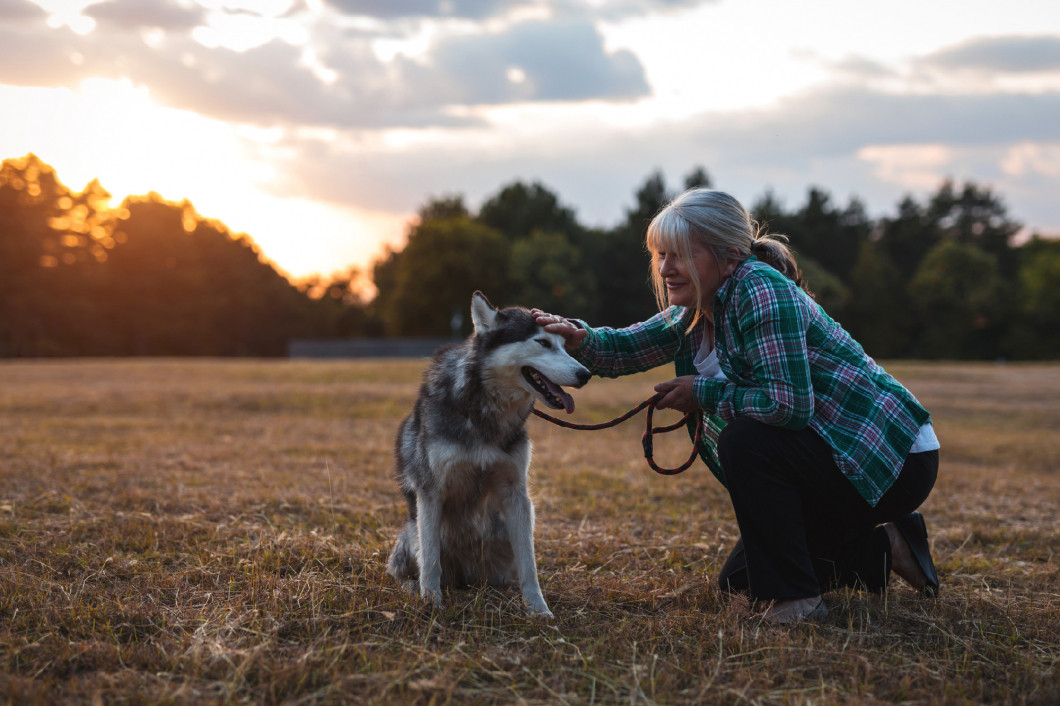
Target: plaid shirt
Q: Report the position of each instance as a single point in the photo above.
(786, 363)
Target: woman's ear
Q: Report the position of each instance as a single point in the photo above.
(732, 260)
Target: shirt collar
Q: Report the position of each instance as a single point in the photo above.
(725, 290)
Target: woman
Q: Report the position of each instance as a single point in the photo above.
(824, 455)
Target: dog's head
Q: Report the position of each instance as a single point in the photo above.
(530, 356)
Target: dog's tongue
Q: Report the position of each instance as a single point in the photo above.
(568, 401)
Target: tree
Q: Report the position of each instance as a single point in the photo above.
(38, 254)
(698, 177)
(827, 289)
(547, 273)
(518, 210)
(1036, 333)
(770, 214)
(975, 216)
(622, 262)
(878, 311)
(431, 281)
(830, 236)
(908, 236)
(449, 206)
(957, 295)
(178, 284)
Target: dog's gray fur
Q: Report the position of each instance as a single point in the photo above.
(463, 456)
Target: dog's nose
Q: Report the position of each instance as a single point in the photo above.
(583, 376)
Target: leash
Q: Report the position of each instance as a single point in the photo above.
(649, 431)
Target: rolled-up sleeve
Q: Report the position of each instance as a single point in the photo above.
(609, 352)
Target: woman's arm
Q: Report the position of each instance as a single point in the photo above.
(612, 352)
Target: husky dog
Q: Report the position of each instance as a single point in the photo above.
(463, 455)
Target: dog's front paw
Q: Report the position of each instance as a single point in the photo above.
(539, 611)
(433, 595)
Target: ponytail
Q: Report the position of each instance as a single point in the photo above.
(772, 249)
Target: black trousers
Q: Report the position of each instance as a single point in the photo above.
(804, 529)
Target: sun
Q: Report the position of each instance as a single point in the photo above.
(115, 131)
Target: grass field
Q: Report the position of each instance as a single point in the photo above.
(216, 532)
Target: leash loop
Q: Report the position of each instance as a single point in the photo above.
(650, 431)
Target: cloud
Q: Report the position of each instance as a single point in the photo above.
(145, 14)
(273, 84)
(859, 67)
(484, 9)
(853, 140)
(33, 55)
(444, 71)
(622, 9)
(1016, 54)
(839, 121)
(536, 61)
(20, 10)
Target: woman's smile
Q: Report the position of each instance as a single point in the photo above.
(677, 275)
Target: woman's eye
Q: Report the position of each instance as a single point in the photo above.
(545, 343)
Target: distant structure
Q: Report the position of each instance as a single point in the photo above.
(365, 347)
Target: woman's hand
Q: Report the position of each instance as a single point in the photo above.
(572, 335)
(677, 394)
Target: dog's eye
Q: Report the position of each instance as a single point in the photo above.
(545, 343)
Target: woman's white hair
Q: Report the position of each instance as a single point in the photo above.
(718, 222)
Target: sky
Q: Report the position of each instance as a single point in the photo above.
(319, 127)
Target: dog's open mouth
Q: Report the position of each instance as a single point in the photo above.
(550, 392)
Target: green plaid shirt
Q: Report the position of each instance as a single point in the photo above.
(786, 363)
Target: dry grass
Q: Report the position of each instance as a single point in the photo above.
(216, 532)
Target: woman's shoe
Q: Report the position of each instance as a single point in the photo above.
(914, 531)
(795, 611)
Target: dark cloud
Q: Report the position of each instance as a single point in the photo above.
(1000, 54)
(145, 14)
(839, 121)
(537, 61)
(19, 10)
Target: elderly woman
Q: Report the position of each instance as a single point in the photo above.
(824, 455)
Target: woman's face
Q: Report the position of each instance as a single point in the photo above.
(680, 288)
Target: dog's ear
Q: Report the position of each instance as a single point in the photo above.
(483, 314)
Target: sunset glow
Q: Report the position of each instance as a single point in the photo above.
(319, 131)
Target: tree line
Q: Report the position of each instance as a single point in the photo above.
(939, 278)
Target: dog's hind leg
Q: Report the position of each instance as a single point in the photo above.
(519, 514)
(402, 564)
(429, 524)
